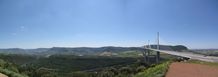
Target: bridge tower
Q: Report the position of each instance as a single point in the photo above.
(158, 47)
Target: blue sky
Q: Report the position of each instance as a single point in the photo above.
(95, 23)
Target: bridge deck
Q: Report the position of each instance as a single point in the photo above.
(189, 55)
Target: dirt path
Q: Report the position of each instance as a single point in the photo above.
(2, 75)
(191, 70)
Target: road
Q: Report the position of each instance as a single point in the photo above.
(189, 55)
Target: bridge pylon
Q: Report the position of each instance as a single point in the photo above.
(158, 48)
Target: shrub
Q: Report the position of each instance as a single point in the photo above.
(156, 71)
(11, 73)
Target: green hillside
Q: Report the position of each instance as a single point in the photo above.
(10, 69)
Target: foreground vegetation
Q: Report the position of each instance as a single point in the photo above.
(85, 62)
(76, 66)
(9, 69)
(70, 65)
(86, 66)
(156, 71)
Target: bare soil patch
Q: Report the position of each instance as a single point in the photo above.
(180, 69)
(2, 75)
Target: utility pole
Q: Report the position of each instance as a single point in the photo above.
(158, 48)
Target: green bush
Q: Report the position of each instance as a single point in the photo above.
(9, 69)
(11, 73)
(156, 71)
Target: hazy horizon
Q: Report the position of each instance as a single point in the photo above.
(98, 47)
(98, 23)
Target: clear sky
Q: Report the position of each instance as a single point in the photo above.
(95, 23)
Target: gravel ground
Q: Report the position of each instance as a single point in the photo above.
(180, 69)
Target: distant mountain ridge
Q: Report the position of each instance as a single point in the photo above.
(84, 50)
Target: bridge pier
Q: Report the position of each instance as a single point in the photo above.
(158, 57)
(146, 55)
(158, 48)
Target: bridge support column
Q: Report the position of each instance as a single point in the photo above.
(158, 57)
(148, 58)
(158, 48)
(146, 55)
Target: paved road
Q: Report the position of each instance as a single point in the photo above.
(189, 55)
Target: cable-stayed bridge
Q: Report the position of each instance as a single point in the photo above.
(189, 55)
(181, 54)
